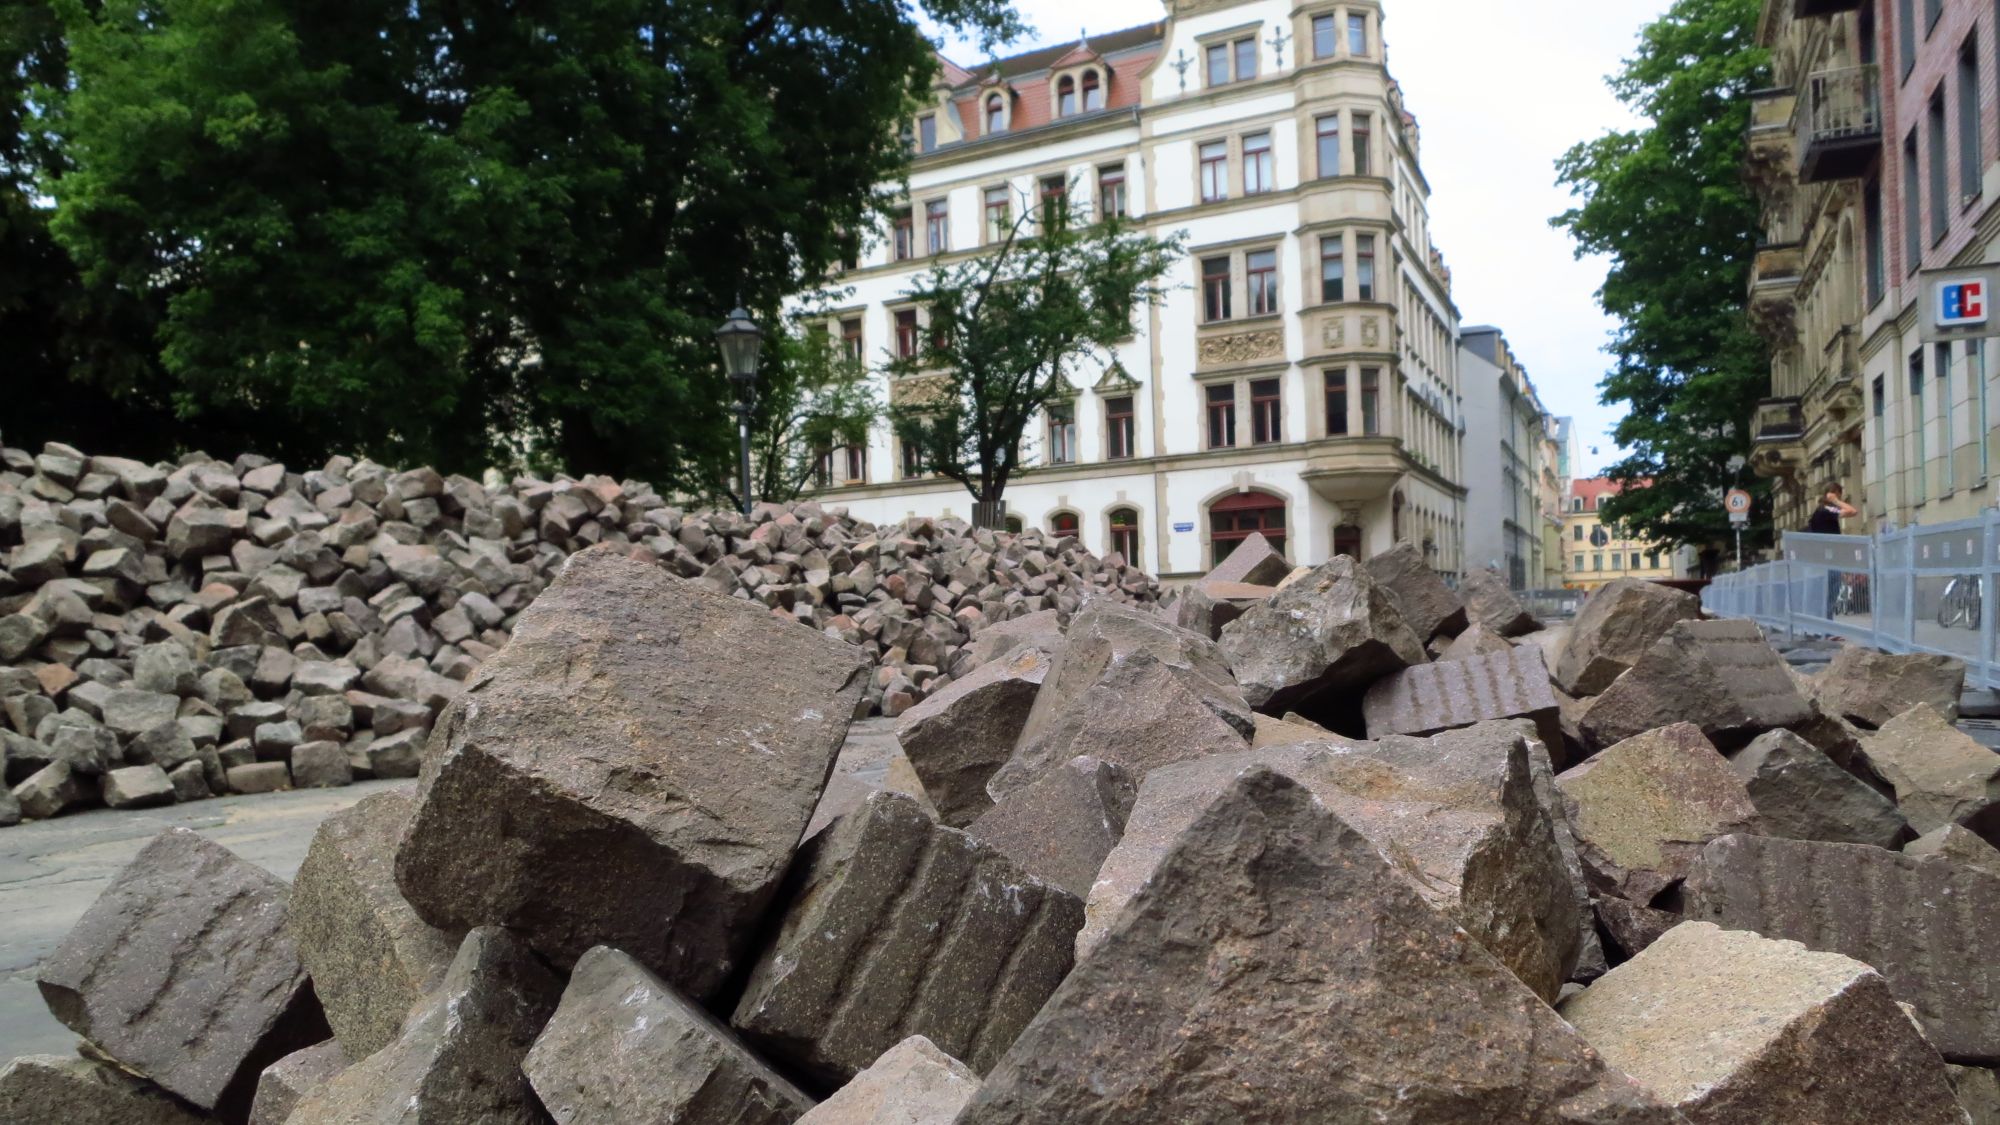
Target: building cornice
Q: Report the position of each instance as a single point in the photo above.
(1105, 120)
(1241, 456)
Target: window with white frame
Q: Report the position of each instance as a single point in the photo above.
(1111, 191)
(1259, 168)
(999, 216)
(1214, 171)
(1234, 61)
(1062, 434)
(1325, 36)
(1260, 269)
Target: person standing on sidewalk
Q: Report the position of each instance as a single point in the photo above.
(1833, 508)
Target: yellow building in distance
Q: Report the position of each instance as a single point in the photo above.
(1595, 552)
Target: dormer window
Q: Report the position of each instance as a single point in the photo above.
(1080, 91)
(996, 114)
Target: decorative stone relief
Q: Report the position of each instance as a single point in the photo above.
(1371, 332)
(1333, 333)
(919, 390)
(1243, 347)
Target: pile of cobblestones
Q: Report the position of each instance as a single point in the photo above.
(173, 631)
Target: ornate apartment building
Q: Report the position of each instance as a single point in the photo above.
(1506, 443)
(1599, 552)
(1806, 286)
(1301, 380)
(1557, 459)
(1874, 157)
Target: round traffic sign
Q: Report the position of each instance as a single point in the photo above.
(1737, 501)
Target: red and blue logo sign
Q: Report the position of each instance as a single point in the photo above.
(1960, 303)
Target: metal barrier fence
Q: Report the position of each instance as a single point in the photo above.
(1919, 589)
(1551, 605)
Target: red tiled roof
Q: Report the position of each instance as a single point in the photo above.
(1045, 58)
(1593, 490)
(1032, 99)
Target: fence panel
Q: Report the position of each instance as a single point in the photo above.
(1920, 589)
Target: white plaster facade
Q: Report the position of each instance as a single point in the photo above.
(1504, 440)
(1381, 470)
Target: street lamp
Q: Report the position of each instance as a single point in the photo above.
(741, 342)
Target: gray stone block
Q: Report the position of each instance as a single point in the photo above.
(1335, 630)
(959, 737)
(625, 1046)
(902, 927)
(371, 958)
(1277, 938)
(65, 1090)
(460, 1052)
(1880, 908)
(635, 768)
(1732, 1027)
(1430, 698)
(286, 1082)
(187, 936)
(137, 787)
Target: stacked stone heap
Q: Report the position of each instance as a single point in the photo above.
(170, 632)
(1332, 845)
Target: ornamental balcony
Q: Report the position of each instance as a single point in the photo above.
(1771, 156)
(1839, 123)
(1805, 9)
(1777, 438)
(1774, 290)
(1354, 469)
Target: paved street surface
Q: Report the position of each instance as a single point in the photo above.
(51, 871)
(1960, 642)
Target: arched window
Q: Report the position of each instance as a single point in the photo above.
(1232, 519)
(1014, 524)
(996, 115)
(1125, 534)
(1347, 541)
(1066, 97)
(1065, 523)
(1093, 91)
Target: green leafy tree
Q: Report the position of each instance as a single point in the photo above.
(1669, 205)
(1006, 331)
(76, 362)
(476, 232)
(812, 398)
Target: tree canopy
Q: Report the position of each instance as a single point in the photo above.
(813, 398)
(73, 359)
(472, 232)
(1007, 329)
(1668, 204)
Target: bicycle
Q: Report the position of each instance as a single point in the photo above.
(1852, 598)
(1961, 602)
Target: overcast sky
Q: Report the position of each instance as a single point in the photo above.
(1500, 91)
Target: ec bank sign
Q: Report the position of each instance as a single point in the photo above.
(1958, 303)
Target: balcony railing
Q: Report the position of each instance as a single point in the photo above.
(1840, 123)
(1802, 9)
(1774, 285)
(1778, 420)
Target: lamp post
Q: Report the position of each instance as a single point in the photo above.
(742, 342)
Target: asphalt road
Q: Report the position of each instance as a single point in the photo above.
(51, 871)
